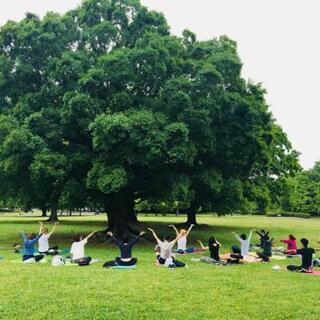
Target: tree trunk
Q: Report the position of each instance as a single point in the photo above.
(192, 215)
(54, 211)
(44, 212)
(121, 215)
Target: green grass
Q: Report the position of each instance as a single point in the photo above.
(200, 291)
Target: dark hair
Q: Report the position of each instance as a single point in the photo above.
(243, 237)
(211, 242)
(31, 236)
(125, 238)
(262, 231)
(304, 242)
(77, 237)
(45, 229)
(292, 237)
(166, 238)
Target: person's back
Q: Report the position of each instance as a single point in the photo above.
(77, 249)
(267, 250)
(306, 255)
(182, 243)
(43, 243)
(165, 249)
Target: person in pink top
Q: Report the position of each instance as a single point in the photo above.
(291, 245)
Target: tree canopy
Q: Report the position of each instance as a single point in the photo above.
(105, 103)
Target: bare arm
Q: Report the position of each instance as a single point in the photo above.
(175, 229)
(89, 235)
(173, 242)
(237, 237)
(202, 246)
(53, 229)
(190, 228)
(154, 234)
(40, 227)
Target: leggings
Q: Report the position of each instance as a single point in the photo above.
(264, 257)
(32, 256)
(118, 262)
(176, 263)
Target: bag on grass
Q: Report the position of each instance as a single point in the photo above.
(57, 261)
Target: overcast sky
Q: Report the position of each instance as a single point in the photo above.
(278, 43)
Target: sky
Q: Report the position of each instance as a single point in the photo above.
(278, 42)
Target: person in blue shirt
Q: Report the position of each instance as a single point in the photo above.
(29, 240)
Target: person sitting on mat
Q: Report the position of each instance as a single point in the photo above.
(182, 241)
(166, 257)
(306, 256)
(291, 245)
(214, 247)
(267, 250)
(28, 250)
(262, 236)
(125, 245)
(43, 242)
(244, 244)
(77, 249)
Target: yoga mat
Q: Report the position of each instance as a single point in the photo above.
(278, 257)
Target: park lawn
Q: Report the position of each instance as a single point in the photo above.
(200, 291)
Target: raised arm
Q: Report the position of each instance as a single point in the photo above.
(190, 228)
(173, 242)
(237, 237)
(53, 229)
(202, 246)
(23, 235)
(175, 229)
(40, 227)
(250, 236)
(154, 235)
(89, 235)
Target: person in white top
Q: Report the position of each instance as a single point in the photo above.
(182, 241)
(43, 242)
(77, 249)
(244, 242)
(165, 256)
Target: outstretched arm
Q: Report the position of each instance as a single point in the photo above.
(154, 234)
(173, 242)
(89, 235)
(40, 227)
(175, 229)
(249, 237)
(202, 246)
(190, 228)
(53, 229)
(237, 237)
(23, 235)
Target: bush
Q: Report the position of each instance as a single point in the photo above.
(289, 214)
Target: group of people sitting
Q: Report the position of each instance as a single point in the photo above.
(165, 252)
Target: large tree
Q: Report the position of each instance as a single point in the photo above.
(106, 99)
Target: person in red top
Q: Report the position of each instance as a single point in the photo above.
(291, 245)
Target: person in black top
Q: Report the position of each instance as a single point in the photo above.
(125, 245)
(214, 247)
(264, 236)
(267, 249)
(306, 255)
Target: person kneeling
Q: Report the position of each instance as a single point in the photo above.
(125, 246)
(306, 255)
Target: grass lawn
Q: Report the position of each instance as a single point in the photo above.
(200, 291)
